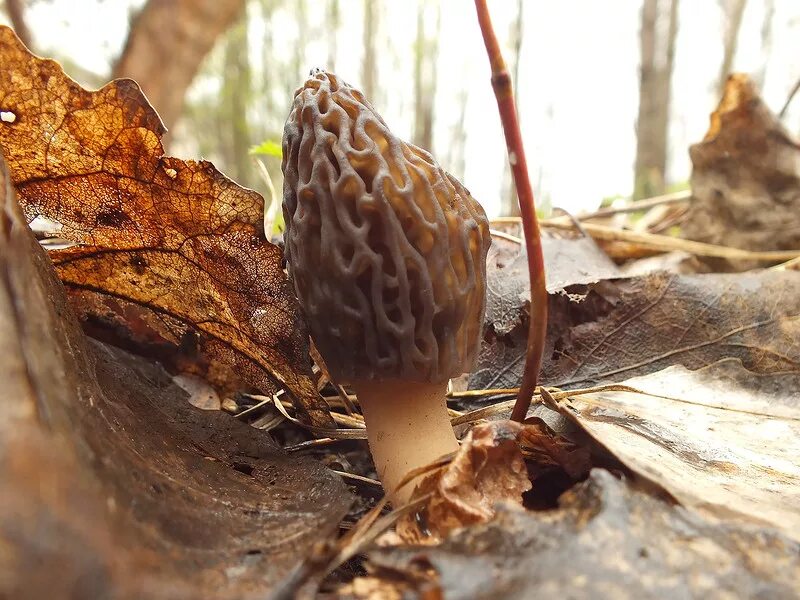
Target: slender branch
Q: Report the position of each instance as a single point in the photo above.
(789, 99)
(501, 83)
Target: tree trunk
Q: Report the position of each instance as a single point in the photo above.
(16, 14)
(734, 10)
(334, 23)
(760, 77)
(299, 66)
(168, 41)
(236, 92)
(425, 58)
(456, 160)
(369, 74)
(652, 124)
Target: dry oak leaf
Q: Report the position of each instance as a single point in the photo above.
(722, 440)
(113, 485)
(175, 238)
(629, 327)
(487, 468)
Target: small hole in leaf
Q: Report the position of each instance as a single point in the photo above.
(6, 116)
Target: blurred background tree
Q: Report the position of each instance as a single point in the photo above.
(610, 94)
(657, 37)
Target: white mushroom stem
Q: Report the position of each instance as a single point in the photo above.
(407, 427)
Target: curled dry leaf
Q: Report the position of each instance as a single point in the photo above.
(568, 262)
(169, 253)
(546, 450)
(745, 178)
(721, 439)
(607, 540)
(113, 485)
(487, 468)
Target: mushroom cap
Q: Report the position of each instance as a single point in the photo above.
(386, 250)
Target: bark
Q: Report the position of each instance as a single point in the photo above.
(652, 124)
(369, 75)
(167, 43)
(16, 14)
(734, 11)
(425, 59)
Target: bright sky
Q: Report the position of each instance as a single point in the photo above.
(578, 88)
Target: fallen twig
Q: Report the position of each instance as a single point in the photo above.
(501, 83)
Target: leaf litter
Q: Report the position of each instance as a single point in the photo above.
(168, 260)
(113, 484)
(608, 538)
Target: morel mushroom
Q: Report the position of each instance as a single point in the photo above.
(387, 254)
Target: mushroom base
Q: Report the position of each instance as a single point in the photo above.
(407, 426)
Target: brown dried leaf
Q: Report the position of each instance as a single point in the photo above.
(173, 237)
(545, 449)
(488, 468)
(726, 441)
(567, 262)
(607, 540)
(637, 326)
(113, 485)
(745, 178)
(693, 320)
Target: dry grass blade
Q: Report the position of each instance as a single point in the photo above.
(506, 236)
(793, 264)
(665, 243)
(310, 444)
(337, 434)
(374, 483)
(483, 393)
(639, 205)
(346, 401)
(655, 242)
(553, 395)
(353, 420)
(635, 206)
(306, 578)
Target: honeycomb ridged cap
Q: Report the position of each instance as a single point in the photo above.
(386, 251)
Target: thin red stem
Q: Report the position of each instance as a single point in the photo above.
(501, 83)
